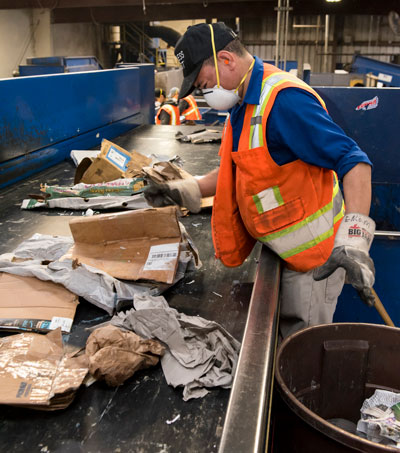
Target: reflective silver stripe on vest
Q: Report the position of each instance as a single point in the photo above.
(308, 232)
(257, 139)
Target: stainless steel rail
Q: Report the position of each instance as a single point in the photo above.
(246, 424)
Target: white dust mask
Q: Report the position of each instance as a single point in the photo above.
(218, 97)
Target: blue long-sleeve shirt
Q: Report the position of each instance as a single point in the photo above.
(299, 128)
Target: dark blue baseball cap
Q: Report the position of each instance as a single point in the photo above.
(195, 46)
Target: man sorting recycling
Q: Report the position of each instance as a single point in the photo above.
(281, 158)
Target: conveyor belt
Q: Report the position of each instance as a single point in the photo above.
(133, 417)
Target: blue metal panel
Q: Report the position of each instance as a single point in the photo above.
(290, 64)
(53, 65)
(42, 118)
(31, 70)
(39, 111)
(24, 166)
(371, 116)
(48, 61)
(388, 73)
(74, 64)
(146, 88)
(385, 253)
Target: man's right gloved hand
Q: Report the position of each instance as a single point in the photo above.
(184, 192)
(350, 251)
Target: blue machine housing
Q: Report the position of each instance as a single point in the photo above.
(57, 65)
(387, 73)
(371, 117)
(44, 117)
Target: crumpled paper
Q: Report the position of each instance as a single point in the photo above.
(378, 422)
(115, 355)
(200, 354)
(200, 136)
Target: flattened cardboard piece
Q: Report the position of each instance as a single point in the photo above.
(207, 202)
(30, 304)
(142, 244)
(34, 369)
(113, 162)
(161, 172)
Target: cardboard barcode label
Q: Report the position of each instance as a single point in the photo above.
(64, 323)
(117, 158)
(162, 257)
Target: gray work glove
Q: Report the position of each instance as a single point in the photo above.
(184, 192)
(350, 251)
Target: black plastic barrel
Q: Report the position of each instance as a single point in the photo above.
(326, 372)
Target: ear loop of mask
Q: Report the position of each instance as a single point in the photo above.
(214, 53)
(216, 63)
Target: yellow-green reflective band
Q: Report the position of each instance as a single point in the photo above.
(258, 204)
(278, 195)
(307, 245)
(268, 199)
(297, 226)
(340, 214)
(261, 109)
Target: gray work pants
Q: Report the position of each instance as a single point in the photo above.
(305, 302)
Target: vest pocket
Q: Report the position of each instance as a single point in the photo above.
(278, 218)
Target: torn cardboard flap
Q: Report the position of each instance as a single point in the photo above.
(161, 172)
(35, 372)
(27, 303)
(142, 244)
(112, 163)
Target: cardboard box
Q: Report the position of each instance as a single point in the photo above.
(27, 303)
(113, 162)
(142, 244)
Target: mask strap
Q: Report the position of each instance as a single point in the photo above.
(214, 53)
(244, 77)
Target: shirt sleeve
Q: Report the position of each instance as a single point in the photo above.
(300, 128)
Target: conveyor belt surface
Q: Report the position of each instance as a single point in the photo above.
(132, 417)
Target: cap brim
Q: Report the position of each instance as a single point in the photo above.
(187, 84)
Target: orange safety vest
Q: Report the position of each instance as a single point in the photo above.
(295, 209)
(173, 112)
(192, 112)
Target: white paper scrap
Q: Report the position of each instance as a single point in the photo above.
(64, 323)
(162, 257)
(169, 422)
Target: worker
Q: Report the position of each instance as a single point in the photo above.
(281, 157)
(188, 110)
(159, 96)
(168, 112)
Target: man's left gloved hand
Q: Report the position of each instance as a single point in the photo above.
(350, 251)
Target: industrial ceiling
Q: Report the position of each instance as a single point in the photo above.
(120, 11)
